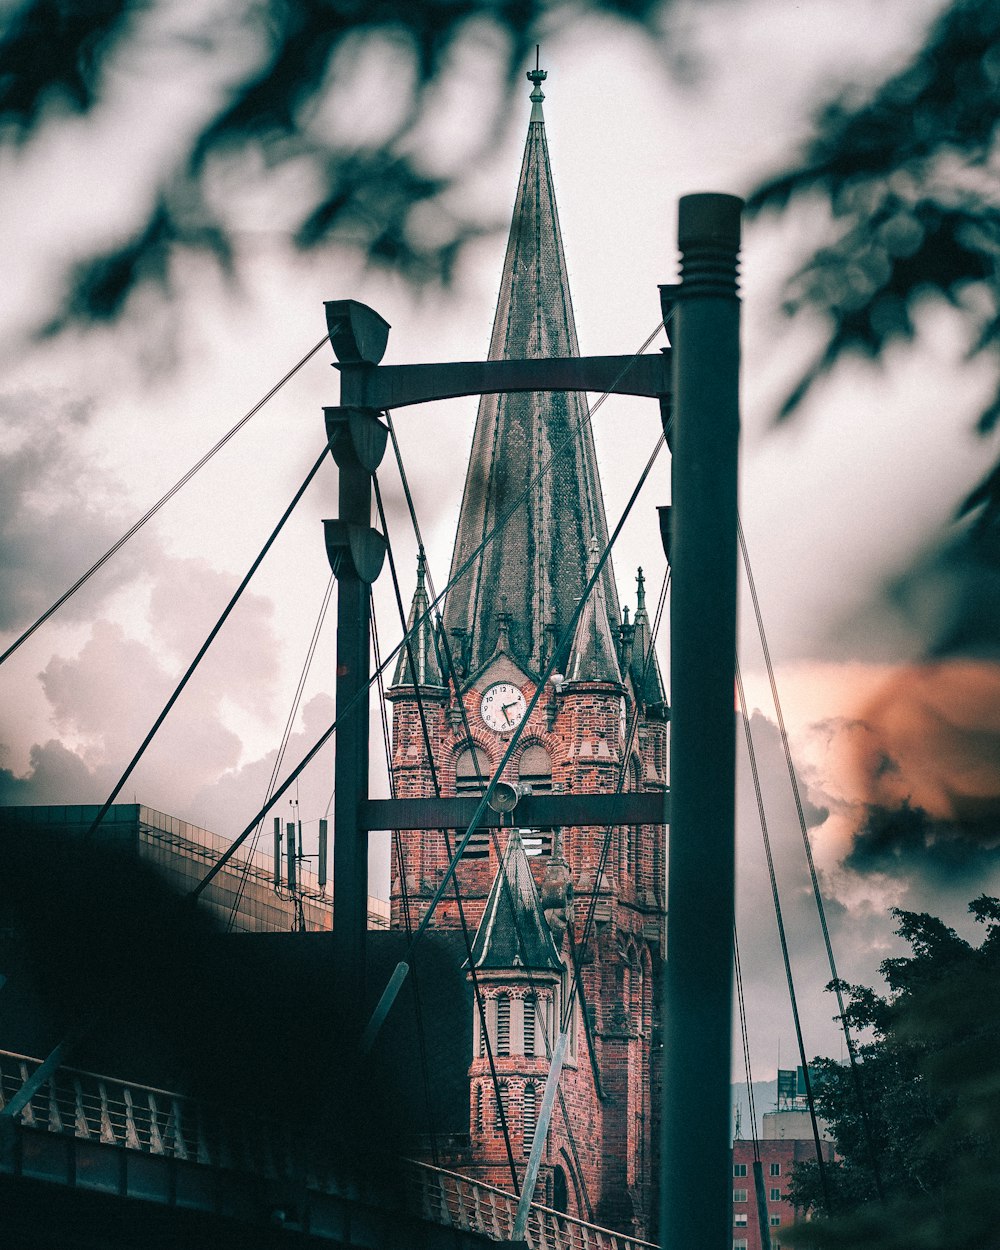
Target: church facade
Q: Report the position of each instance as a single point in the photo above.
(564, 926)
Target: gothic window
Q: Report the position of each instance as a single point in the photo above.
(566, 989)
(530, 1115)
(473, 770)
(467, 779)
(536, 770)
(502, 1105)
(535, 777)
(530, 1023)
(503, 1024)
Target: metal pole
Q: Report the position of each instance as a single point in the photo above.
(357, 439)
(695, 1168)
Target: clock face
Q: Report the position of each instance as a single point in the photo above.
(503, 706)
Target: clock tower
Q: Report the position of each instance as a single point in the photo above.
(459, 695)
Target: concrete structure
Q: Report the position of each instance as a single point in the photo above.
(243, 897)
(466, 684)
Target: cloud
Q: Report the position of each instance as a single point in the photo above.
(931, 738)
(906, 840)
(59, 513)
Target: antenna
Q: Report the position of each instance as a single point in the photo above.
(321, 865)
(290, 853)
(277, 852)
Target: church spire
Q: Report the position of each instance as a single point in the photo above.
(539, 561)
(646, 678)
(422, 642)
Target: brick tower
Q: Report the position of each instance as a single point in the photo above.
(464, 688)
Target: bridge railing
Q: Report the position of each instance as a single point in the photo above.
(463, 1202)
(88, 1106)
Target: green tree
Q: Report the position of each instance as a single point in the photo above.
(930, 1068)
(909, 173)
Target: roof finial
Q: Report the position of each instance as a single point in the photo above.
(640, 595)
(537, 77)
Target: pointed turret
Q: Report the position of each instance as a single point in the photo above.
(593, 655)
(513, 932)
(645, 669)
(422, 644)
(539, 561)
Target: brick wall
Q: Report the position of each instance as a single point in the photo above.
(604, 1132)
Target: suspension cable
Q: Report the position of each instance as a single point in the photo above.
(466, 935)
(207, 643)
(385, 1003)
(310, 755)
(856, 1078)
(758, 1166)
(820, 1162)
(151, 512)
(417, 1001)
(244, 876)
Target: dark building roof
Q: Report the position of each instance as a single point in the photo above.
(422, 642)
(537, 570)
(593, 655)
(645, 669)
(513, 932)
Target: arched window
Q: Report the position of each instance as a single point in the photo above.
(536, 770)
(535, 777)
(503, 1024)
(530, 1115)
(530, 1023)
(502, 1105)
(472, 771)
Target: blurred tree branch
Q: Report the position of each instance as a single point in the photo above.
(56, 57)
(910, 175)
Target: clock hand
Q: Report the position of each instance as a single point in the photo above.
(503, 708)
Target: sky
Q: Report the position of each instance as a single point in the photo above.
(839, 506)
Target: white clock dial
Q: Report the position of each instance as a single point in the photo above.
(503, 706)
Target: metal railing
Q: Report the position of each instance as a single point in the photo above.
(450, 1198)
(88, 1106)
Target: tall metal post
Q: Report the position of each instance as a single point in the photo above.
(695, 1180)
(357, 439)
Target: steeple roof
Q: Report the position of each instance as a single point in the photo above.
(593, 655)
(513, 932)
(645, 668)
(539, 561)
(422, 643)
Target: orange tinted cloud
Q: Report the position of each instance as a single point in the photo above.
(931, 736)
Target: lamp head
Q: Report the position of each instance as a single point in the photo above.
(358, 335)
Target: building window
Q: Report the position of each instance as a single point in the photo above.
(775, 1169)
(502, 1104)
(535, 771)
(739, 1195)
(775, 1221)
(530, 1115)
(775, 1195)
(503, 1025)
(530, 1021)
(740, 1219)
(479, 1108)
(472, 771)
(739, 1243)
(739, 1169)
